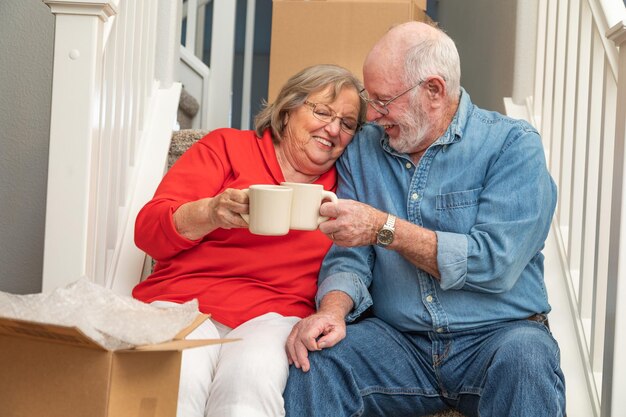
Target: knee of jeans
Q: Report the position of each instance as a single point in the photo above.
(529, 349)
(311, 383)
(327, 364)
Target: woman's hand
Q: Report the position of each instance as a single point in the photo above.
(196, 219)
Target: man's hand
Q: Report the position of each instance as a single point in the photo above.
(313, 333)
(356, 224)
(321, 330)
(352, 223)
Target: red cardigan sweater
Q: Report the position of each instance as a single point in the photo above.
(234, 274)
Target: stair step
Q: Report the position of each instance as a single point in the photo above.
(181, 141)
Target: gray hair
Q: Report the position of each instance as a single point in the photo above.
(298, 88)
(436, 55)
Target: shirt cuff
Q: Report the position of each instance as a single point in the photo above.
(169, 229)
(452, 260)
(351, 285)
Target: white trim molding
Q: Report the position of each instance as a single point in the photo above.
(102, 9)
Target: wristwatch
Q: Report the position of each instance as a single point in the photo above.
(385, 236)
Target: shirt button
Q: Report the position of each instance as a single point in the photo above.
(408, 165)
(439, 329)
(414, 196)
(429, 298)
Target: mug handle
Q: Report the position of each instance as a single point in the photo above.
(333, 198)
(246, 216)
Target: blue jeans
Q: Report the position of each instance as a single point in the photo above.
(502, 370)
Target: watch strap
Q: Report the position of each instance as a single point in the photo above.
(390, 223)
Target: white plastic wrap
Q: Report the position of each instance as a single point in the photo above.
(113, 321)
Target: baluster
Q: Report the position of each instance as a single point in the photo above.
(580, 147)
(566, 183)
(558, 92)
(548, 81)
(614, 367)
(540, 67)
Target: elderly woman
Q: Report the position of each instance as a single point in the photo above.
(254, 287)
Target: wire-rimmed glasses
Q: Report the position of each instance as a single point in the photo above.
(324, 113)
(381, 106)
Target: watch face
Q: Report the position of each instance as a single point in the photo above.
(385, 237)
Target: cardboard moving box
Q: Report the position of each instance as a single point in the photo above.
(56, 371)
(339, 32)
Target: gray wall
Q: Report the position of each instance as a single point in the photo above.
(484, 32)
(26, 42)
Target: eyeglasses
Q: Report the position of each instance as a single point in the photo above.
(325, 114)
(381, 106)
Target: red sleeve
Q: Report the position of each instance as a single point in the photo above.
(199, 173)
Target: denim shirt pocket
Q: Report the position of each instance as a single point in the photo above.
(456, 211)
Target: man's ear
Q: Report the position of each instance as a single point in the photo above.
(436, 89)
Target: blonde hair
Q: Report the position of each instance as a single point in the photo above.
(298, 88)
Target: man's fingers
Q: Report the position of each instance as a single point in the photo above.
(329, 209)
(302, 354)
(330, 339)
(291, 349)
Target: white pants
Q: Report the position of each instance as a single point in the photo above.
(237, 379)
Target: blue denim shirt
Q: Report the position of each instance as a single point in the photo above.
(484, 188)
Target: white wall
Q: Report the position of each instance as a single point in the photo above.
(26, 40)
(484, 32)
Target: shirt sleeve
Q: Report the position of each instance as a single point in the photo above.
(347, 269)
(515, 210)
(198, 173)
(343, 270)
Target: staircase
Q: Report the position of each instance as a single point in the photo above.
(119, 60)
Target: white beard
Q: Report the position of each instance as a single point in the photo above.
(414, 125)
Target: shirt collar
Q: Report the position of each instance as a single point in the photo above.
(454, 133)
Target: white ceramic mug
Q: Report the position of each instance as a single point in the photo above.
(270, 209)
(305, 205)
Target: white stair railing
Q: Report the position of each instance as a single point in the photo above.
(579, 107)
(113, 109)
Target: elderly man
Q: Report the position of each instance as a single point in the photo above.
(437, 265)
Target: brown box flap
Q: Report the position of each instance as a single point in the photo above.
(46, 332)
(198, 321)
(180, 344)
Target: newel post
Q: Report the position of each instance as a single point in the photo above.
(74, 133)
(614, 377)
